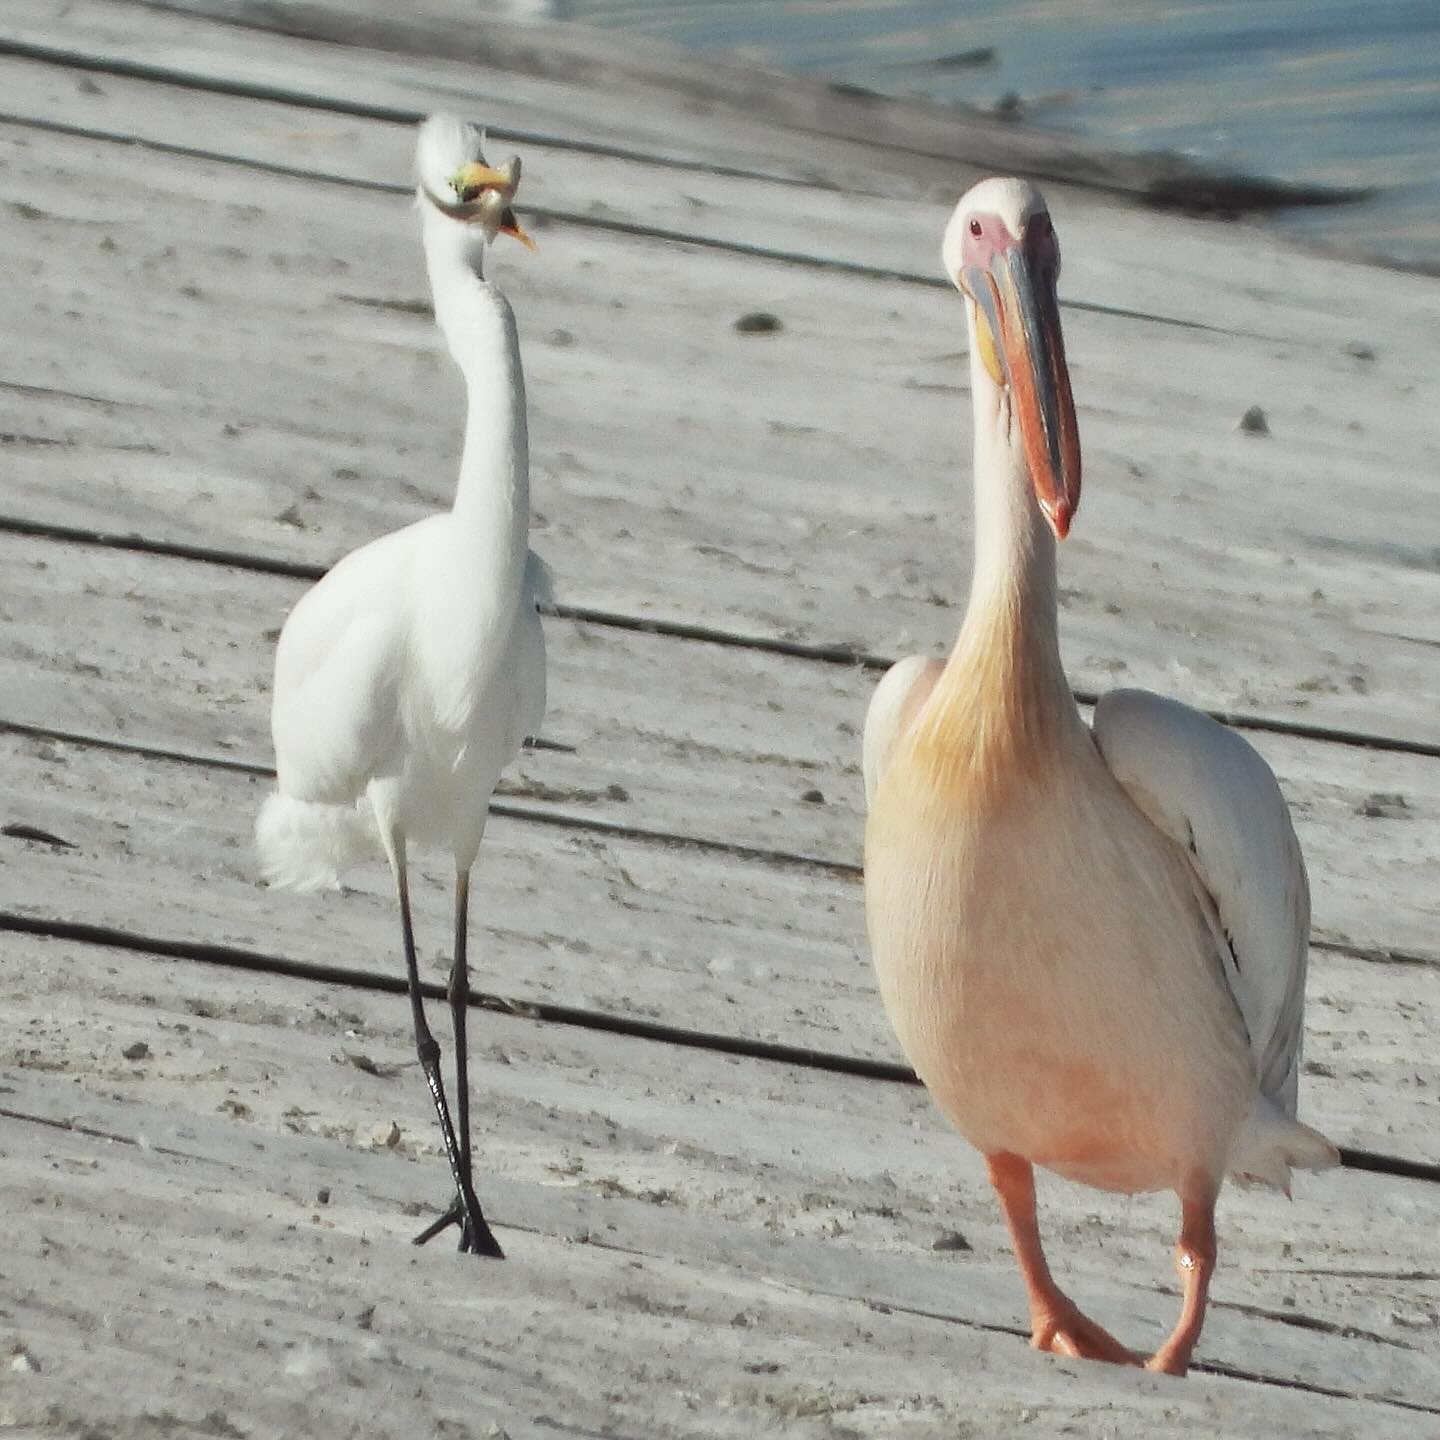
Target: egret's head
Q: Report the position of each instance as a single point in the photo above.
(1000, 249)
(457, 181)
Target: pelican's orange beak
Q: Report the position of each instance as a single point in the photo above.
(1016, 297)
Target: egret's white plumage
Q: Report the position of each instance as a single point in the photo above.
(1092, 944)
(408, 677)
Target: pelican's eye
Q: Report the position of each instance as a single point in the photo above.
(975, 228)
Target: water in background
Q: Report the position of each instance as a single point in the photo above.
(1343, 92)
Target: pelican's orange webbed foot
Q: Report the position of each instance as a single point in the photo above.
(1065, 1331)
(1055, 1324)
(1170, 1360)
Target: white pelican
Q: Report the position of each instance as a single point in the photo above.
(410, 675)
(1091, 941)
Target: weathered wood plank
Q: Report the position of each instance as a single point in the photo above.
(698, 940)
(824, 1192)
(558, 1341)
(1170, 268)
(720, 744)
(101, 33)
(259, 384)
(162, 848)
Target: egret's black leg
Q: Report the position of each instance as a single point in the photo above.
(460, 1010)
(475, 1236)
(459, 996)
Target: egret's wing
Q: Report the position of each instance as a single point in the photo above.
(539, 580)
(897, 700)
(1212, 794)
(530, 652)
(335, 712)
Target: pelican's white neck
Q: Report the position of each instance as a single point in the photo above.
(1009, 635)
(492, 497)
(1014, 546)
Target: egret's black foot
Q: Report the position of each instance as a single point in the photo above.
(475, 1235)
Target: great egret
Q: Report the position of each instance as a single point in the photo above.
(1091, 943)
(410, 675)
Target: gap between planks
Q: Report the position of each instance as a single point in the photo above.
(673, 629)
(283, 1021)
(546, 1012)
(588, 824)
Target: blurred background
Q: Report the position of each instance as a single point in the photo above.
(1326, 91)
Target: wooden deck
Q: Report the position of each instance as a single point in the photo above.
(728, 1212)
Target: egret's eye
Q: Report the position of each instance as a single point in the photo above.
(975, 228)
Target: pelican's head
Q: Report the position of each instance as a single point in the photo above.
(1000, 249)
(457, 181)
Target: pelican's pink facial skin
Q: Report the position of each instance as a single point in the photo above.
(1012, 280)
(986, 235)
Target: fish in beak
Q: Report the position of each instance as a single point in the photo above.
(1018, 315)
(510, 226)
(483, 196)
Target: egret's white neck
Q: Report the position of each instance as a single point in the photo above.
(1009, 640)
(492, 498)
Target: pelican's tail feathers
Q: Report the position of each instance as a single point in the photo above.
(1272, 1144)
(304, 845)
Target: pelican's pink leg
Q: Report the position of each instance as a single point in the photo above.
(1056, 1324)
(1195, 1260)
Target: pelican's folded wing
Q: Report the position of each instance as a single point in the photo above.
(1211, 793)
(897, 700)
